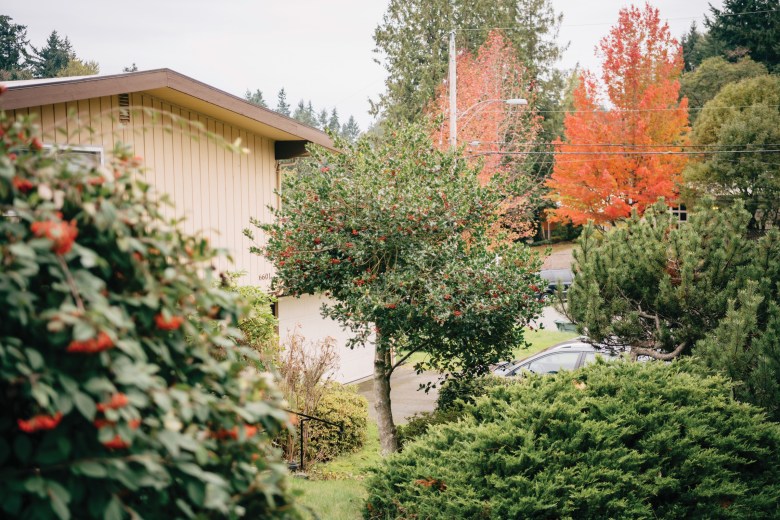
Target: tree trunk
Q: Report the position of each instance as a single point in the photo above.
(388, 437)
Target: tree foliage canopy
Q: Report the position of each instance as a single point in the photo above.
(496, 136)
(750, 26)
(395, 233)
(611, 162)
(743, 124)
(14, 46)
(710, 76)
(663, 288)
(485, 78)
(412, 41)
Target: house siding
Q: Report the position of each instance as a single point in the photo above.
(214, 189)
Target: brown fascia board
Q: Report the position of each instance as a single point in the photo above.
(170, 86)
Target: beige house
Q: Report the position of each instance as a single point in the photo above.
(179, 126)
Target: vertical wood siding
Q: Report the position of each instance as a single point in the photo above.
(216, 190)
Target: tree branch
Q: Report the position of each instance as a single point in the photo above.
(401, 361)
(654, 317)
(663, 356)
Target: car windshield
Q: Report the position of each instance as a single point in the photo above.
(553, 363)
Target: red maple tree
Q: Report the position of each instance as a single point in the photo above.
(627, 155)
(493, 133)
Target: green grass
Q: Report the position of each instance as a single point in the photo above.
(353, 465)
(331, 499)
(539, 340)
(336, 489)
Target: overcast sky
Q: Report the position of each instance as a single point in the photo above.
(318, 50)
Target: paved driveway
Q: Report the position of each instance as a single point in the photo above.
(406, 399)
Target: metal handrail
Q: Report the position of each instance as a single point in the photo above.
(307, 417)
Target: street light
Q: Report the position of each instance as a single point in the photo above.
(453, 84)
(454, 114)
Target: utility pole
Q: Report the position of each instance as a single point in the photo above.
(453, 93)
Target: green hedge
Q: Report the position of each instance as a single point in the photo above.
(342, 405)
(618, 440)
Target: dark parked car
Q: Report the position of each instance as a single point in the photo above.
(565, 356)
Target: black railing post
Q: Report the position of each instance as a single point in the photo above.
(303, 418)
(303, 432)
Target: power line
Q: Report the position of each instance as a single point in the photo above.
(621, 110)
(703, 152)
(622, 145)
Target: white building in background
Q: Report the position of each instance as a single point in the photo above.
(165, 117)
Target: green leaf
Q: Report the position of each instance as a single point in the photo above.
(35, 485)
(40, 392)
(86, 405)
(185, 507)
(22, 250)
(83, 331)
(59, 500)
(170, 440)
(114, 509)
(64, 403)
(36, 359)
(196, 492)
(90, 469)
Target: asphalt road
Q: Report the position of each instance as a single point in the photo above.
(406, 399)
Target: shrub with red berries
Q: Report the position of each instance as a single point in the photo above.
(123, 395)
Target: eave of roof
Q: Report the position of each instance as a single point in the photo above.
(170, 86)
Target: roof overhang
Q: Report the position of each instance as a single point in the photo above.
(290, 135)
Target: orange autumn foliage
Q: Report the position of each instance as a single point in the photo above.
(494, 134)
(484, 79)
(641, 67)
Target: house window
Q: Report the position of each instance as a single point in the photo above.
(680, 212)
(89, 156)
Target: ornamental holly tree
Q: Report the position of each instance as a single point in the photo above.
(394, 232)
(124, 393)
(627, 156)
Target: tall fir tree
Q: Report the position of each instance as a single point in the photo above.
(256, 98)
(751, 26)
(412, 43)
(322, 119)
(14, 50)
(282, 106)
(333, 122)
(53, 57)
(303, 113)
(350, 130)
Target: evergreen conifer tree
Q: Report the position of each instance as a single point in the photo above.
(14, 53)
(53, 57)
(256, 97)
(282, 106)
